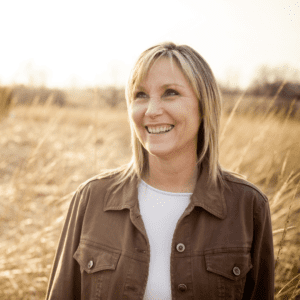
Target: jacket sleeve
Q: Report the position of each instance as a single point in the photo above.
(65, 278)
(260, 280)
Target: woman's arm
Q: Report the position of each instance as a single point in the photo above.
(64, 282)
(260, 280)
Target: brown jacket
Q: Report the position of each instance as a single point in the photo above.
(104, 251)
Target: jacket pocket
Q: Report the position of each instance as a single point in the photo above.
(230, 270)
(97, 266)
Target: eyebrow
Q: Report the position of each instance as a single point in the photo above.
(140, 87)
(170, 84)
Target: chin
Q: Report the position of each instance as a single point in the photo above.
(159, 152)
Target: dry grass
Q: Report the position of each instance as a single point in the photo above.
(47, 152)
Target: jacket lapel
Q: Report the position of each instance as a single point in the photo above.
(208, 196)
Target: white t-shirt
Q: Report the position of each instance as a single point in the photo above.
(160, 212)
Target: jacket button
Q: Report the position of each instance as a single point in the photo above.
(182, 287)
(180, 247)
(236, 271)
(90, 264)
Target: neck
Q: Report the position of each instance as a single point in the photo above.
(173, 175)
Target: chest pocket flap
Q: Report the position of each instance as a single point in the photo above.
(93, 259)
(233, 266)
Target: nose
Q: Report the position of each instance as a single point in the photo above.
(154, 108)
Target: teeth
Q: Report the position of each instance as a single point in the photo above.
(159, 129)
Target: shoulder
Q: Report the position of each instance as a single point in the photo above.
(241, 185)
(99, 182)
(91, 192)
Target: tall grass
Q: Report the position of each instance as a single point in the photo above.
(5, 101)
(47, 152)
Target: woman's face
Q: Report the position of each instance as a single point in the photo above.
(165, 111)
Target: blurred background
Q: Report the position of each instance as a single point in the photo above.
(71, 45)
(63, 69)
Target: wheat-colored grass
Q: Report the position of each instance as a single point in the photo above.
(47, 152)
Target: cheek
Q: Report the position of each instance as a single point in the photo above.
(134, 115)
(136, 119)
(193, 124)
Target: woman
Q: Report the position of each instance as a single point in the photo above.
(172, 224)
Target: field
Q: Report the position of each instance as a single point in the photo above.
(46, 152)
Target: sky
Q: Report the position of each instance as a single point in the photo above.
(64, 43)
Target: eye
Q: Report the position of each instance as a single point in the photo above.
(140, 95)
(170, 93)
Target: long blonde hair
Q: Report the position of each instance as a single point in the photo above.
(203, 82)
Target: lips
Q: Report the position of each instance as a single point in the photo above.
(159, 129)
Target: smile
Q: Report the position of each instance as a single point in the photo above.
(159, 130)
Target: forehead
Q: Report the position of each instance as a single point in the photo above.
(165, 65)
(163, 69)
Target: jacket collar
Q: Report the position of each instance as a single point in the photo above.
(208, 196)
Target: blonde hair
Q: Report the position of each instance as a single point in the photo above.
(203, 82)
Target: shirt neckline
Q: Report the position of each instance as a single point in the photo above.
(164, 192)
